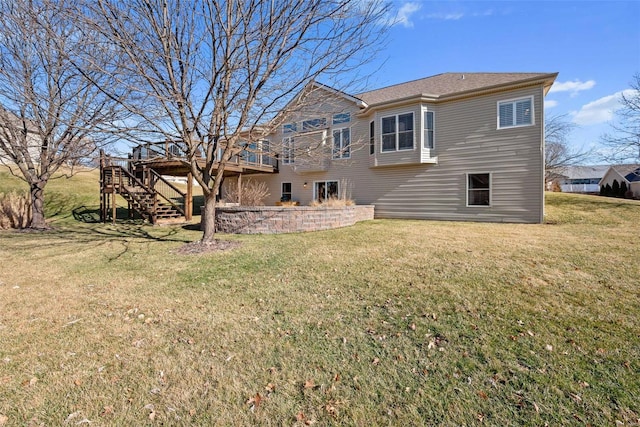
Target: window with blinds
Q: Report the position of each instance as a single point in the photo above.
(516, 112)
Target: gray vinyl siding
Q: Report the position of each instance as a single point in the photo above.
(466, 141)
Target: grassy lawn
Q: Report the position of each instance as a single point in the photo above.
(385, 323)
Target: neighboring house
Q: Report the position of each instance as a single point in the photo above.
(11, 136)
(580, 179)
(628, 174)
(455, 146)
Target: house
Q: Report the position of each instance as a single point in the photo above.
(628, 174)
(17, 134)
(580, 179)
(454, 146)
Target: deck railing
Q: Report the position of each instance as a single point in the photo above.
(251, 157)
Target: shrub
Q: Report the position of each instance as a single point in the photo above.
(603, 190)
(555, 187)
(252, 193)
(15, 210)
(332, 202)
(623, 189)
(607, 190)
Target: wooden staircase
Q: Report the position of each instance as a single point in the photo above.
(149, 195)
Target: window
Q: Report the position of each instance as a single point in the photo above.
(286, 192)
(517, 112)
(428, 129)
(254, 151)
(287, 150)
(479, 189)
(341, 118)
(251, 152)
(314, 124)
(372, 138)
(323, 190)
(289, 127)
(174, 150)
(342, 143)
(397, 132)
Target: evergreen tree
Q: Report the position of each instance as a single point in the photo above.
(615, 188)
(623, 189)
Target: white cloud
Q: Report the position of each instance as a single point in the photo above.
(445, 16)
(403, 16)
(573, 87)
(550, 103)
(601, 110)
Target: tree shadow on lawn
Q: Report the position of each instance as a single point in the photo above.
(90, 230)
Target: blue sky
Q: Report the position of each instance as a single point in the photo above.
(594, 45)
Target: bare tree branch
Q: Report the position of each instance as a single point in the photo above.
(51, 115)
(217, 75)
(622, 143)
(558, 154)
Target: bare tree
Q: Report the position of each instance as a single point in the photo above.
(558, 154)
(623, 142)
(50, 114)
(217, 74)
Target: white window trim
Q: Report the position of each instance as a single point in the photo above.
(424, 129)
(282, 189)
(333, 118)
(325, 126)
(513, 101)
(333, 142)
(290, 159)
(315, 195)
(466, 177)
(285, 132)
(397, 132)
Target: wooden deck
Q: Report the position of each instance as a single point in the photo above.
(139, 179)
(168, 158)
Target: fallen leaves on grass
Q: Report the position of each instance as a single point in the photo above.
(199, 247)
(255, 402)
(30, 383)
(310, 384)
(302, 418)
(3, 419)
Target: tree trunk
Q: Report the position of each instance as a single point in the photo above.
(37, 206)
(209, 218)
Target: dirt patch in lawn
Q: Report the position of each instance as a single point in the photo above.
(198, 247)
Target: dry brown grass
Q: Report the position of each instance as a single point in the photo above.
(332, 202)
(383, 323)
(15, 210)
(249, 193)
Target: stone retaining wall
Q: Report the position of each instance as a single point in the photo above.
(276, 219)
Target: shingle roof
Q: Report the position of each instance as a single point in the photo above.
(447, 84)
(584, 172)
(630, 172)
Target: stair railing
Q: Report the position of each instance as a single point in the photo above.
(123, 181)
(167, 191)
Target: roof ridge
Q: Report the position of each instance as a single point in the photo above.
(403, 83)
(462, 73)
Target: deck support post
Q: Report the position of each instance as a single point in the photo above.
(113, 206)
(188, 203)
(240, 189)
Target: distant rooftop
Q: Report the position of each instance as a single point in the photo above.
(631, 172)
(584, 172)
